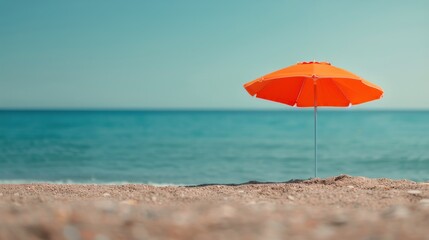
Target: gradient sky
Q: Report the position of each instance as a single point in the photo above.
(198, 54)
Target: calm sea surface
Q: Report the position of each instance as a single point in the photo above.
(195, 147)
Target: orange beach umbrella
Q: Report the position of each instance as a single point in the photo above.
(314, 84)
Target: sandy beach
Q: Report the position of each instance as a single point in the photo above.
(333, 208)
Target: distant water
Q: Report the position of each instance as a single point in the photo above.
(195, 147)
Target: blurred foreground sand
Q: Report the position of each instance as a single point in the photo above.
(333, 208)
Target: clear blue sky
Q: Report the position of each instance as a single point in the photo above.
(197, 54)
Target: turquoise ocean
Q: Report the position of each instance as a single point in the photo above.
(200, 147)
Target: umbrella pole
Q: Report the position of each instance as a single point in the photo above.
(315, 130)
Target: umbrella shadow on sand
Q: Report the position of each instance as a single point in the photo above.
(326, 181)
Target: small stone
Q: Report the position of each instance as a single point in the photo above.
(339, 220)
(106, 206)
(71, 233)
(153, 198)
(1, 194)
(424, 201)
(240, 191)
(290, 197)
(350, 186)
(414, 192)
(16, 194)
(106, 194)
(399, 212)
(129, 202)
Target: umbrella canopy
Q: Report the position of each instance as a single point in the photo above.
(295, 86)
(313, 84)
